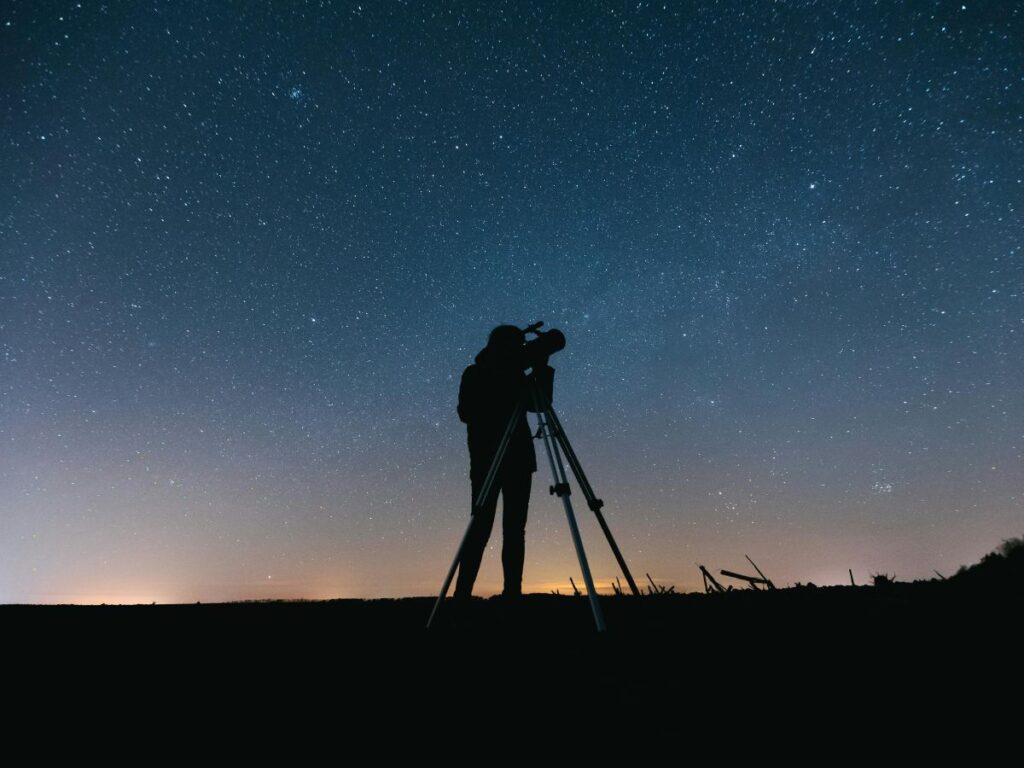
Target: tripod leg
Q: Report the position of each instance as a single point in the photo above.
(451, 574)
(500, 455)
(561, 487)
(593, 502)
(478, 502)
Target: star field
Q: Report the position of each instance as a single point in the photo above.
(247, 249)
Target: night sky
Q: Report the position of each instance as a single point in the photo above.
(247, 250)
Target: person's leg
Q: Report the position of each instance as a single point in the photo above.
(515, 499)
(476, 539)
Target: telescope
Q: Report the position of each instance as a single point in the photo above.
(537, 351)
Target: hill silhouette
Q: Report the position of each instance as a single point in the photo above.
(996, 570)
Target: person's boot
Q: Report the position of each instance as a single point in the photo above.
(459, 608)
(511, 600)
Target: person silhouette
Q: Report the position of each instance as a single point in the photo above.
(489, 392)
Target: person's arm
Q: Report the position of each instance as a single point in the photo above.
(469, 398)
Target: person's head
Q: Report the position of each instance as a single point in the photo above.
(505, 339)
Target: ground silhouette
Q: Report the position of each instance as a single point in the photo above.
(923, 637)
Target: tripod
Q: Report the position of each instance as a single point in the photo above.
(555, 443)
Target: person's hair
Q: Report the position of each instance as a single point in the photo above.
(505, 336)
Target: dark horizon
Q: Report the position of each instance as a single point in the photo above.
(246, 252)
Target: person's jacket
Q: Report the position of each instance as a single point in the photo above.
(488, 395)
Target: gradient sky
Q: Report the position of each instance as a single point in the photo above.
(247, 249)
